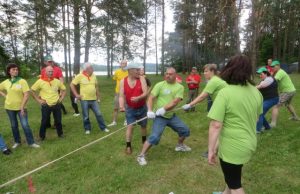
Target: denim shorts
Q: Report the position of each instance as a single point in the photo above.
(159, 125)
(134, 114)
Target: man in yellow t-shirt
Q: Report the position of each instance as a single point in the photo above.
(89, 97)
(50, 100)
(119, 74)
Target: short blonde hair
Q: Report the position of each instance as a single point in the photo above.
(211, 67)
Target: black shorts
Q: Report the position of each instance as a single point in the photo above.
(232, 174)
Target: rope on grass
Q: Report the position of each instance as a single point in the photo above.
(72, 152)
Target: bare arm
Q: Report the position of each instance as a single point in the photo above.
(213, 135)
(172, 104)
(36, 97)
(3, 94)
(122, 96)
(150, 102)
(24, 101)
(62, 95)
(199, 98)
(97, 91)
(74, 91)
(145, 91)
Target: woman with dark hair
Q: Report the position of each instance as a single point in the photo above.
(16, 97)
(233, 122)
(268, 87)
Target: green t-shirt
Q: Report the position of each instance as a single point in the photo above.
(165, 93)
(238, 108)
(213, 86)
(285, 83)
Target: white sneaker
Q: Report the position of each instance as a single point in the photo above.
(272, 125)
(141, 160)
(106, 130)
(294, 118)
(87, 132)
(125, 123)
(15, 145)
(182, 148)
(76, 114)
(114, 123)
(34, 145)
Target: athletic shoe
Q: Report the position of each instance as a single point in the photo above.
(6, 151)
(34, 145)
(15, 145)
(294, 118)
(76, 114)
(182, 148)
(272, 125)
(125, 123)
(87, 132)
(141, 160)
(217, 192)
(106, 130)
(114, 123)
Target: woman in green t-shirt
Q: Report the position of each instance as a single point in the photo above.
(233, 121)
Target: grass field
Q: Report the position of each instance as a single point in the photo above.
(104, 167)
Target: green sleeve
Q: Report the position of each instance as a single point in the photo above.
(179, 93)
(218, 109)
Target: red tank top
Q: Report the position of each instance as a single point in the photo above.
(133, 92)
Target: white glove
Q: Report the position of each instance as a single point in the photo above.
(150, 115)
(186, 107)
(160, 112)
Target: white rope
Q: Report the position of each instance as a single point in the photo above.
(72, 152)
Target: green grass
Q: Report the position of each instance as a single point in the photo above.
(104, 167)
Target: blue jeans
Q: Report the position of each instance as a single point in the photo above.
(91, 104)
(12, 114)
(133, 114)
(2, 143)
(46, 112)
(267, 104)
(159, 125)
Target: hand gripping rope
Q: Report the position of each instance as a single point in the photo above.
(72, 152)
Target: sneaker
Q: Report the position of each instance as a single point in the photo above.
(6, 151)
(76, 114)
(34, 145)
(217, 192)
(258, 132)
(128, 150)
(294, 118)
(87, 132)
(106, 130)
(125, 123)
(114, 123)
(15, 145)
(182, 148)
(272, 125)
(141, 160)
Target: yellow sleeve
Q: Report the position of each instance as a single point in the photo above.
(36, 85)
(25, 87)
(76, 80)
(2, 87)
(115, 76)
(62, 86)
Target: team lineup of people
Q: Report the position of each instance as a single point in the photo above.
(237, 111)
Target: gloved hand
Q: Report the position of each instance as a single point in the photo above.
(160, 111)
(186, 107)
(150, 115)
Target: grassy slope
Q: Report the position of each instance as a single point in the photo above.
(104, 168)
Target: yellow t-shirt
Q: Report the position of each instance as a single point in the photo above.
(118, 76)
(87, 86)
(15, 93)
(49, 91)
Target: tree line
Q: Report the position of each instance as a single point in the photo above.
(205, 31)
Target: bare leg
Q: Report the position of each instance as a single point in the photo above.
(226, 191)
(275, 113)
(144, 131)
(129, 133)
(115, 115)
(181, 140)
(292, 110)
(237, 191)
(146, 147)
